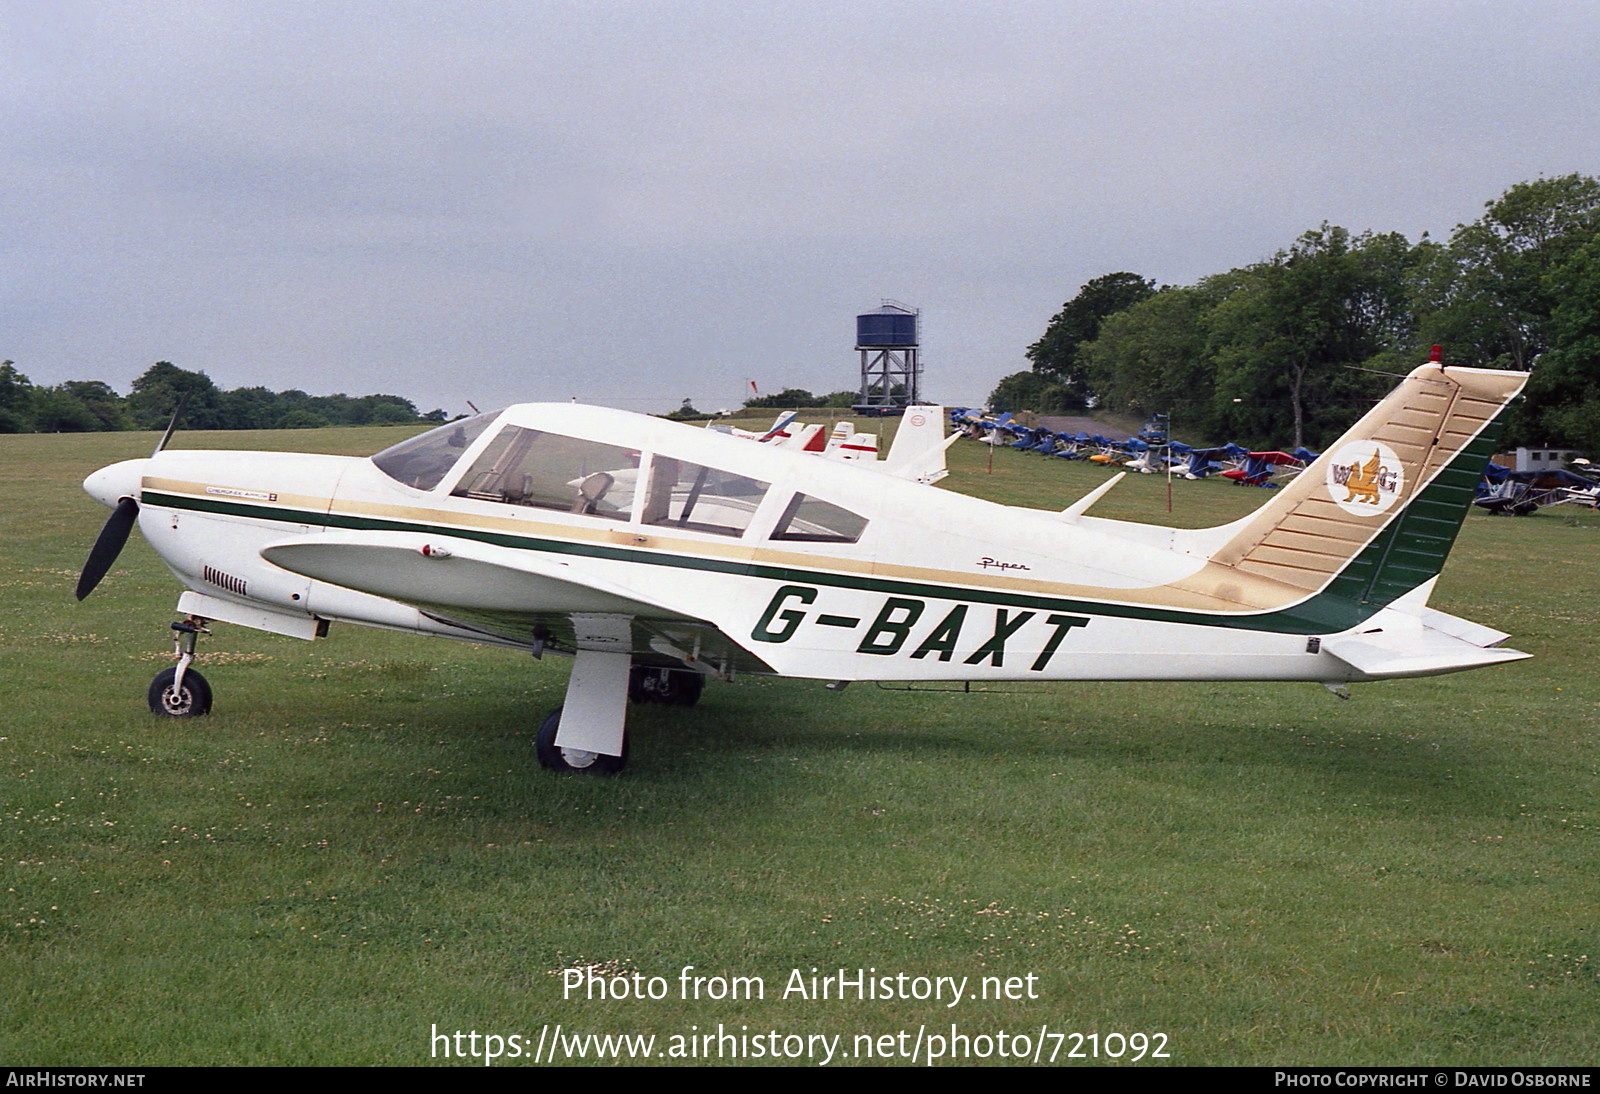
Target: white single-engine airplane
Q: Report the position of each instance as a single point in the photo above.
(685, 553)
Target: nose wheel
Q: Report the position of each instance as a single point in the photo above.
(181, 692)
(174, 699)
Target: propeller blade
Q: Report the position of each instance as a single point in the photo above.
(108, 546)
(172, 427)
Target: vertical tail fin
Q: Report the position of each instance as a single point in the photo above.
(917, 452)
(1376, 514)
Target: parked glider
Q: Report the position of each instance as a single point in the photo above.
(660, 555)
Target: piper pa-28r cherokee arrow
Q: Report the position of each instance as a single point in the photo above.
(682, 553)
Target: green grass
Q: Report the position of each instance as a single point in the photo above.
(358, 844)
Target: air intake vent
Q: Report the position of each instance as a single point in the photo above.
(234, 585)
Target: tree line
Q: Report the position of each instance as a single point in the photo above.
(1290, 350)
(87, 406)
(792, 397)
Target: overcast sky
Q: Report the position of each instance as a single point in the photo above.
(637, 202)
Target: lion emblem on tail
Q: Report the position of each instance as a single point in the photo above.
(1362, 485)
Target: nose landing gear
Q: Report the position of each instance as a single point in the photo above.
(181, 692)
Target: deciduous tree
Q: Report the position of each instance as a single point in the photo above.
(1152, 358)
(1487, 295)
(1030, 391)
(1564, 391)
(1055, 356)
(1284, 341)
(156, 392)
(16, 400)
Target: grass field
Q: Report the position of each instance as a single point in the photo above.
(358, 847)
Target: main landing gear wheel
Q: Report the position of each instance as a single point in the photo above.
(188, 701)
(673, 687)
(576, 760)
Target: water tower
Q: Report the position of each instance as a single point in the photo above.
(890, 372)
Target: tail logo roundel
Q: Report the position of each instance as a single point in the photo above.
(1365, 477)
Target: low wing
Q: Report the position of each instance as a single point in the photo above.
(510, 595)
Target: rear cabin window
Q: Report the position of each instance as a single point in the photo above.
(700, 499)
(423, 461)
(812, 520)
(550, 471)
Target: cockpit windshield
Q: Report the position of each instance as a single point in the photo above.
(424, 460)
(551, 471)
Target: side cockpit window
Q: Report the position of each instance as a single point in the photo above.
(423, 461)
(812, 520)
(542, 470)
(699, 498)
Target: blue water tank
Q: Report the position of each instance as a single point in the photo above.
(887, 326)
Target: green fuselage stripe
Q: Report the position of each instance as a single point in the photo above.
(1411, 549)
